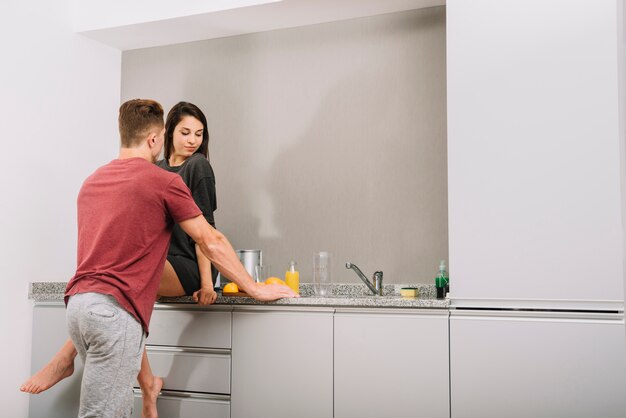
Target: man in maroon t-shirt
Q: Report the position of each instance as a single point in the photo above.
(126, 210)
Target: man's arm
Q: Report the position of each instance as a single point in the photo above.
(215, 246)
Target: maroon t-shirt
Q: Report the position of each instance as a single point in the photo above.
(126, 211)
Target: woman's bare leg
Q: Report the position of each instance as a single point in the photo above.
(170, 283)
(57, 369)
(150, 388)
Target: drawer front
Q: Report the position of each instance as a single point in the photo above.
(182, 406)
(191, 369)
(190, 328)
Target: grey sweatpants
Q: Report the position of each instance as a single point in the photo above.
(110, 342)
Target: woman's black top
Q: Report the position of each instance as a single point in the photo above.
(197, 174)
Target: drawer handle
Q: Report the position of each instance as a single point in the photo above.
(169, 394)
(200, 350)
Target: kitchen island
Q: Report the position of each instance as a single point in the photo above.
(305, 357)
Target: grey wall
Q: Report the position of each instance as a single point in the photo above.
(325, 137)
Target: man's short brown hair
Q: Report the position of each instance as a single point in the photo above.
(137, 118)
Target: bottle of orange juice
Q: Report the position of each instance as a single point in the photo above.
(292, 277)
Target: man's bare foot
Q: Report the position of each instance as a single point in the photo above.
(56, 370)
(150, 395)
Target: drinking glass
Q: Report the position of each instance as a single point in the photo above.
(322, 276)
(261, 272)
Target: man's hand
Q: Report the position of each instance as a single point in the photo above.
(205, 296)
(268, 292)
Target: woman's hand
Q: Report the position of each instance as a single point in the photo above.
(205, 296)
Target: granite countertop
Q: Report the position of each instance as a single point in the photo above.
(342, 295)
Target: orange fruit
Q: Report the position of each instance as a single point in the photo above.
(230, 288)
(275, 280)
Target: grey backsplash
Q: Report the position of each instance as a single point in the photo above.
(325, 137)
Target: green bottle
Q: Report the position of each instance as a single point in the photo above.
(442, 280)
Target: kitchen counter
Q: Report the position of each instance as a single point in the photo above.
(342, 295)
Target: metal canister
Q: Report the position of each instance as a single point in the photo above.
(249, 259)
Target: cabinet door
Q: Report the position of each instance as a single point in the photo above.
(391, 363)
(190, 326)
(49, 334)
(191, 369)
(186, 405)
(282, 363)
(527, 365)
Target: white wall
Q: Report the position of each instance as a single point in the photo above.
(535, 209)
(58, 110)
(622, 101)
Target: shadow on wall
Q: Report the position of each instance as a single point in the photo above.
(320, 192)
(367, 200)
(322, 187)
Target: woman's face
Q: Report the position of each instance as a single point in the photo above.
(187, 137)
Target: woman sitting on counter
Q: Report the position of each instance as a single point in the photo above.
(186, 271)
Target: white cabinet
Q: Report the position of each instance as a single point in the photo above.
(190, 326)
(317, 362)
(526, 364)
(189, 346)
(187, 405)
(191, 369)
(391, 363)
(536, 163)
(282, 362)
(49, 334)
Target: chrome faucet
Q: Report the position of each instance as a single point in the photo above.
(377, 286)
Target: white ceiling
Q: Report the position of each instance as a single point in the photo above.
(241, 20)
(105, 14)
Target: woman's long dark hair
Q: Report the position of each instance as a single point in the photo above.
(176, 114)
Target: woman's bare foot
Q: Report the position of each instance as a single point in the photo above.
(56, 370)
(150, 395)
